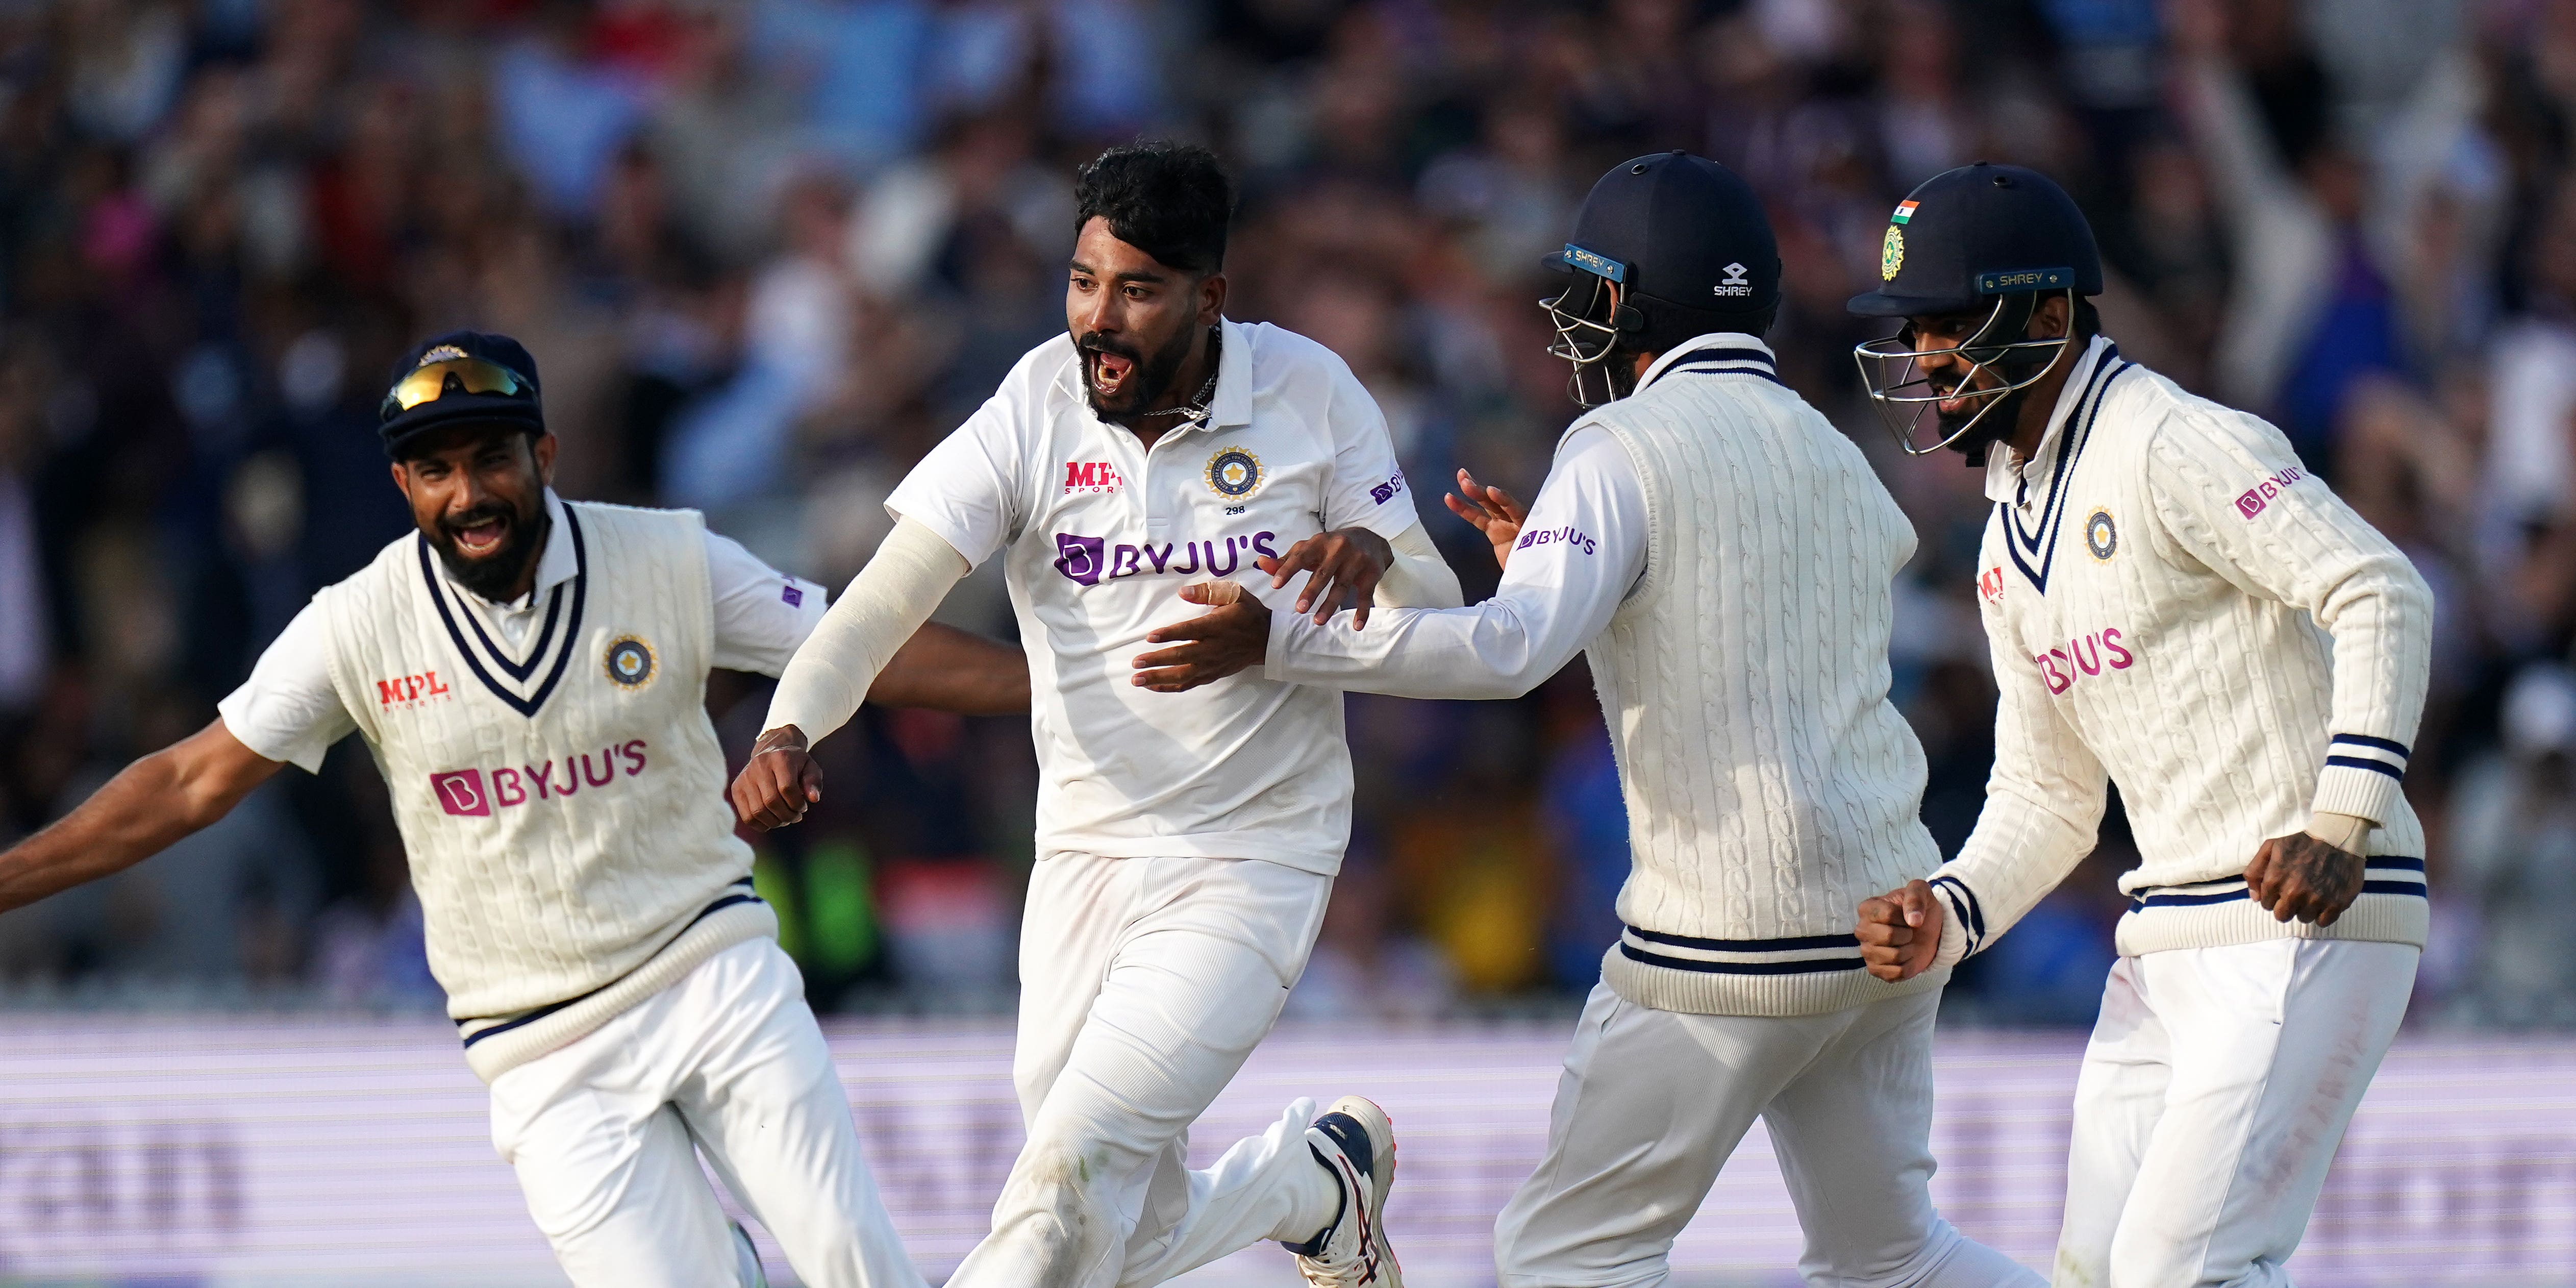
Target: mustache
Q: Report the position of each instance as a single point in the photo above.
(452, 524)
(1095, 342)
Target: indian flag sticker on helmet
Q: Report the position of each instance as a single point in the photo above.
(1904, 212)
(1891, 253)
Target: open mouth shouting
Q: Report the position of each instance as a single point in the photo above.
(1111, 374)
(479, 533)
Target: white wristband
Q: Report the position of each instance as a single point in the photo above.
(2345, 832)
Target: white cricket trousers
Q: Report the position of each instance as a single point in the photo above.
(2215, 1091)
(1144, 983)
(1652, 1103)
(605, 1135)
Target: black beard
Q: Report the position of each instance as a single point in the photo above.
(494, 575)
(1148, 380)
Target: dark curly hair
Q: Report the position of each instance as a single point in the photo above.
(1169, 200)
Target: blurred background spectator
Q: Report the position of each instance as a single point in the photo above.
(769, 251)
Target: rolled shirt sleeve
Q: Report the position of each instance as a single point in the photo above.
(288, 710)
(1581, 551)
(761, 614)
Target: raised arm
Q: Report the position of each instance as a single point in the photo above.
(155, 801)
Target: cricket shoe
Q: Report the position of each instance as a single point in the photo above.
(1355, 1141)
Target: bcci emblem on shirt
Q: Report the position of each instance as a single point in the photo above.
(630, 662)
(1233, 473)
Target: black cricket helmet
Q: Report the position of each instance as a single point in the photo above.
(1988, 240)
(1666, 247)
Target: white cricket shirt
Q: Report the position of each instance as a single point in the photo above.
(287, 709)
(1099, 534)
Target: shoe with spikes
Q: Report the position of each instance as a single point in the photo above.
(1355, 1141)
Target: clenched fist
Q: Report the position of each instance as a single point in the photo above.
(780, 783)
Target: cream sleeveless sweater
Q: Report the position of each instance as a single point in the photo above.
(1770, 784)
(563, 812)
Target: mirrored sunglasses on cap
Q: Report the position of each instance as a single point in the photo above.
(433, 380)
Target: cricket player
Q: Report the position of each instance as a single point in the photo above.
(2174, 603)
(1126, 471)
(529, 674)
(1725, 558)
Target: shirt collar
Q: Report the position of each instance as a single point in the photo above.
(1232, 402)
(2006, 470)
(556, 565)
(1766, 362)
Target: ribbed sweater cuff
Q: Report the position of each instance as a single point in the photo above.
(717, 931)
(1691, 992)
(2351, 789)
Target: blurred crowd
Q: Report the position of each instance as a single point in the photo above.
(768, 251)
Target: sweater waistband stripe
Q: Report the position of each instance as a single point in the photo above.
(1797, 943)
(2381, 875)
(503, 1024)
(1808, 966)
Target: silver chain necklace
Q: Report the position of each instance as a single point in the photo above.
(1197, 407)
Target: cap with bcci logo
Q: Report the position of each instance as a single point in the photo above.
(456, 378)
(1967, 235)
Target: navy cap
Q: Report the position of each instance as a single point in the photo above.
(1965, 236)
(456, 405)
(1681, 230)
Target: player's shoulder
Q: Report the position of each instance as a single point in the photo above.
(2164, 422)
(1282, 358)
(398, 556)
(612, 512)
(1048, 373)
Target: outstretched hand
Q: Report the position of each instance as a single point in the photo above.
(1234, 636)
(2300, 876)
(1492, 510)
(780, 783)
(1900, 932)
(1347, 564)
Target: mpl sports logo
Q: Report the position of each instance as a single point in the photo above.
(1089, 561)
(1990, 584)
(2261, 494)
(1091, 476)
(404, 691)
(475, 793)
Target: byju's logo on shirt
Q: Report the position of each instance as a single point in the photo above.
(1089, 561)
(1385, 492)
(1559, 537)
(2261, 494)
(1091, 476)
(472, 793)
(2088, 654)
